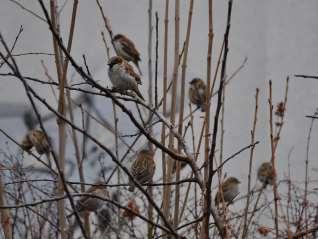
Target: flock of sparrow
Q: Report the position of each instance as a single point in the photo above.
(124, 78)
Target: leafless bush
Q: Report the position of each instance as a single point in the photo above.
(52, 198)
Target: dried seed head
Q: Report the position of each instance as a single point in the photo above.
(280, 109)
(134, 209)
(264, 231)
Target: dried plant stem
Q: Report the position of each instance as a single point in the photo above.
(150, 100)
(222, 132)
(68, 95)
(6, 221)
(156, 64)
(181, 113)
(208, 205)
(245, 228)
(117, 156)
(274, 139)
(60, 123)
(307, 174)
(166, 196)
(273, 158)
(196, 158)
(205, 223)
(166, 205)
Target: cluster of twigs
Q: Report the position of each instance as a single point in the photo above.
(43, 203)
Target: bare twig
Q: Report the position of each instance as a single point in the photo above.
(245, 228)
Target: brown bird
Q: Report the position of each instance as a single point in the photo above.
(198, 93)
(26, 144)
(90, 204)
(143, 168)
(266, 174)
(126, 49)
(122, 76)
(230, 189)
(36, 138)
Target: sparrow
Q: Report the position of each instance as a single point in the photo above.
(90, 204)
(198, 93)
(266, 174)
(122, 75)
(126, 49)
(36, 138)
(143, 168)
(230, 189)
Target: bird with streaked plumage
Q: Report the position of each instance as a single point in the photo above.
(126, 49)
(198, 93)
(143, 168)
(230, 189)
(266, 174)
(123, 77)
(90, 204)
(37, 139)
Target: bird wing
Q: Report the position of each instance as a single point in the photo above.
(130, 49)
(143, 169)
(130, 70)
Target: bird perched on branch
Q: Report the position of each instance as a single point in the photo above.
(126, 49)
(90, 204)
(122, 76)
(198, 93)
(229, 189)
(36, 138)
(266, 174)
(143, 168)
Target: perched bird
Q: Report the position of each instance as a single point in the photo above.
(26, 144)
(143, 168)
(230, 189)
(266, 174)
(89, 204)
(126, 49)
(122, 75)
(198, 93)
(36, 138)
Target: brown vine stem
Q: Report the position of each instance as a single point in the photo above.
(165, 197)
(150, 99)
(245, 228)
(205, 223)
(166, 205)
(182, 100)
(6, 221)
(273, 157)
(61, 124)
(208, 205)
